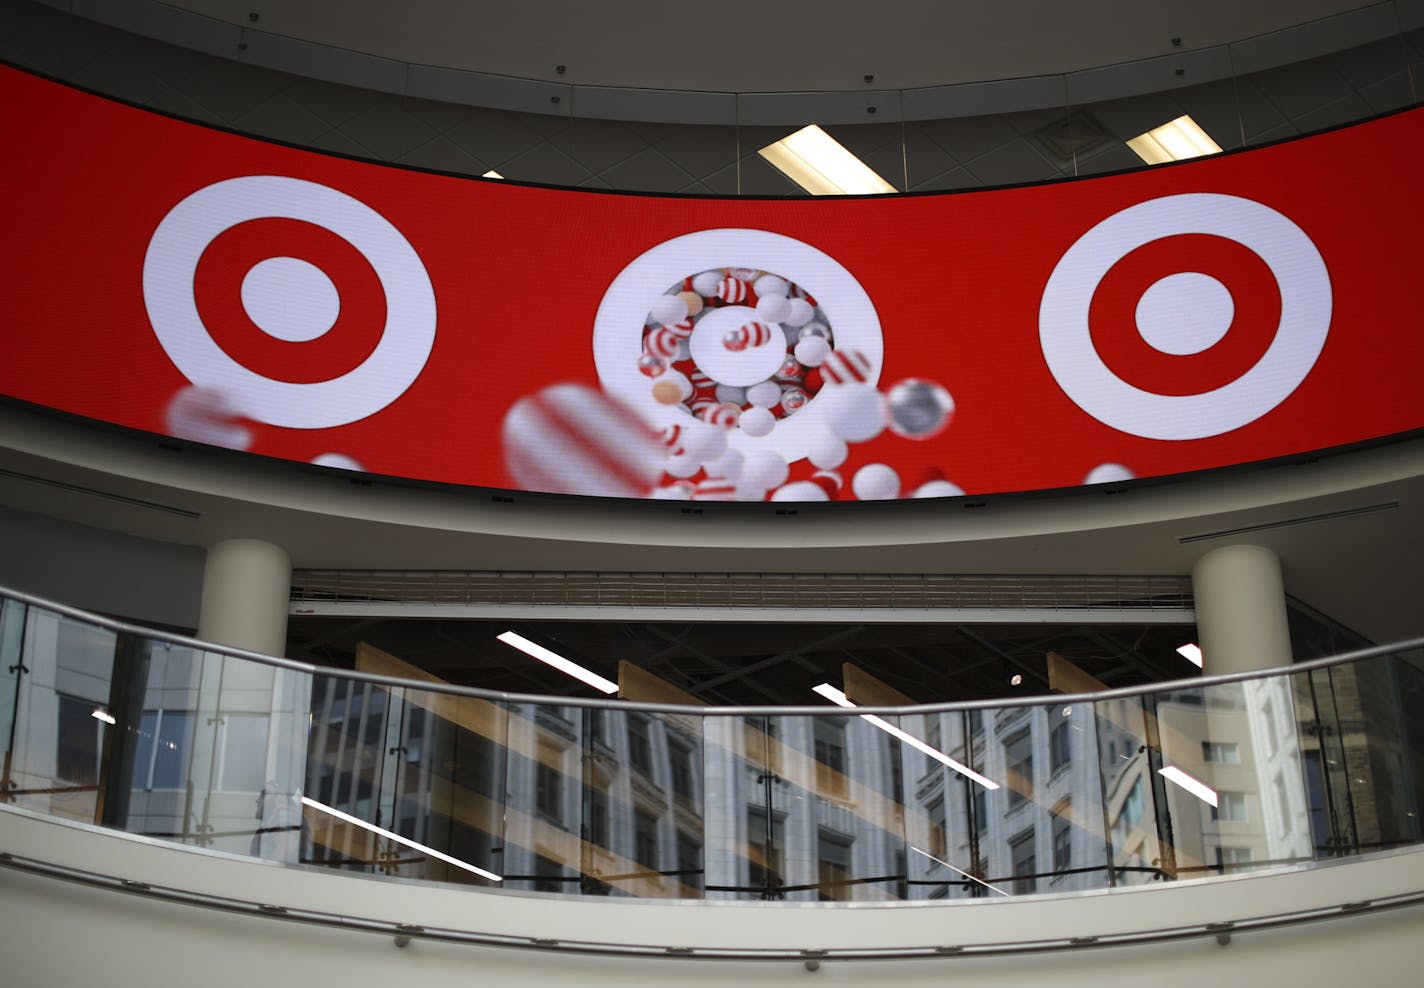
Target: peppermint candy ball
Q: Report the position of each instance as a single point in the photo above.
(728, 465)
(693, 301)
(757, 421)
(730, 394)
(213, 416)
(570, 439)
(682, 466)
(827, 451)
(812, 351)
(938, 488)
(651, 365)
(793, 400)
(919, 409)
(770, 285)
(668, 309)
(762, 470)
(855, 413)
(875, 482)
(705, 284)
(773, 308)
(801, 490)
(764, 395)
(671, 388)
(679, 491)
(1108, 473)
(704, 443)
(800, 313)
(339, 461)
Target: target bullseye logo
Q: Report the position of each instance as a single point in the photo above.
(1186, 314)
(290, 300)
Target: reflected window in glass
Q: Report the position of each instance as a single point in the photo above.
(1221, 752)
(1230, 807)
(833, 865)
(640, 745)
(645, 839)
(1023, 852)
(1059, 751)
(1018, 752)
(830, 757)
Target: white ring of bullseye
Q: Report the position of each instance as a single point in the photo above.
(1295, 263)
(617, 328)
(392, 366)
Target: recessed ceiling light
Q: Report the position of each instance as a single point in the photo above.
(839, 698)
(388, 835)
(566, 666)
(822, 166)
(1192, 652)
(491, 174)
(1174, 141)
(1016, 680)
(1196, 787)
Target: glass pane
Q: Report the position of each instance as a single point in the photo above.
(837, 819)
(740, 853)
(543, 847)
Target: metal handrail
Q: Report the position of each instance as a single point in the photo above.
(123, 627)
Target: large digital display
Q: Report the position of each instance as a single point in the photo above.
(181, 280)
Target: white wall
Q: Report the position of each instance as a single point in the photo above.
(133, 940)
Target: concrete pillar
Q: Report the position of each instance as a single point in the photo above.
(1241, 610)
(246, 586)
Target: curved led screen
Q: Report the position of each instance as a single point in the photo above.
(176, 279)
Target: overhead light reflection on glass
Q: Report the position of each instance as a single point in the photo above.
(414, 845)
(566, 666)
(960, 871)
(822, 166)
(1192, 653)
(839, 699)
(105, 716)
(1196, 787)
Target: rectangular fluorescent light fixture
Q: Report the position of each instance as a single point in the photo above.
(1174, 141)
(491, 174)
(105, 716)
(1196, 787)
(822, 166)
(1191, 652)
(416, 845)
(960, 871)
(839, 699)
(566, 666)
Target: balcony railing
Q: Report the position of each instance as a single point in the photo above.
(161, 735)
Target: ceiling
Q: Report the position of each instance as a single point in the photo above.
(788, 45)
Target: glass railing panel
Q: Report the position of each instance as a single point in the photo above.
(741, 854)
(1323, 765)
(61, 720)
(1230, 778)
(836, 802)
(1369, 722)
(644, 805)
(12, 640)
(543, 845)
(941, 829)
(1040, 828)
(1128, 760)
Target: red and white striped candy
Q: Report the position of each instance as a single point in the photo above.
(845, 366)
(721, 415)
(662, 342)
(790, 372)
(700, 380)
(682, 329)
(701, 406)
(569, 439)
(672, 437)
(732, 290)
(719, 489)
(751, 334)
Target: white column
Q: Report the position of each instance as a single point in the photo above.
(246, 586)
(1241, 610)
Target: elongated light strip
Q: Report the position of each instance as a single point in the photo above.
(822, 166)
(1196, 787)
(839, 699)
(1175, 140)
(566, 666)
(961, 871)
(416, 845)
(1192, 653)
(491, 174)
(105, 716)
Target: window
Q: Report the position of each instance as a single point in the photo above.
(1062, 845)
(933, 735)
(645, 839)
(1058, 740)
(80, 741)
(640, 745)
(1230, 807)
(548, 788)
(830, 757)
(1025, 861)
(597, 817)
(1018, 752)
(161, 755)
(244, 752)
(833, 865)
(939, 839)
(548, 875)
(1221, 752)
(689, 859)
(1229, 857)
(680, 763)
(981, 810)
